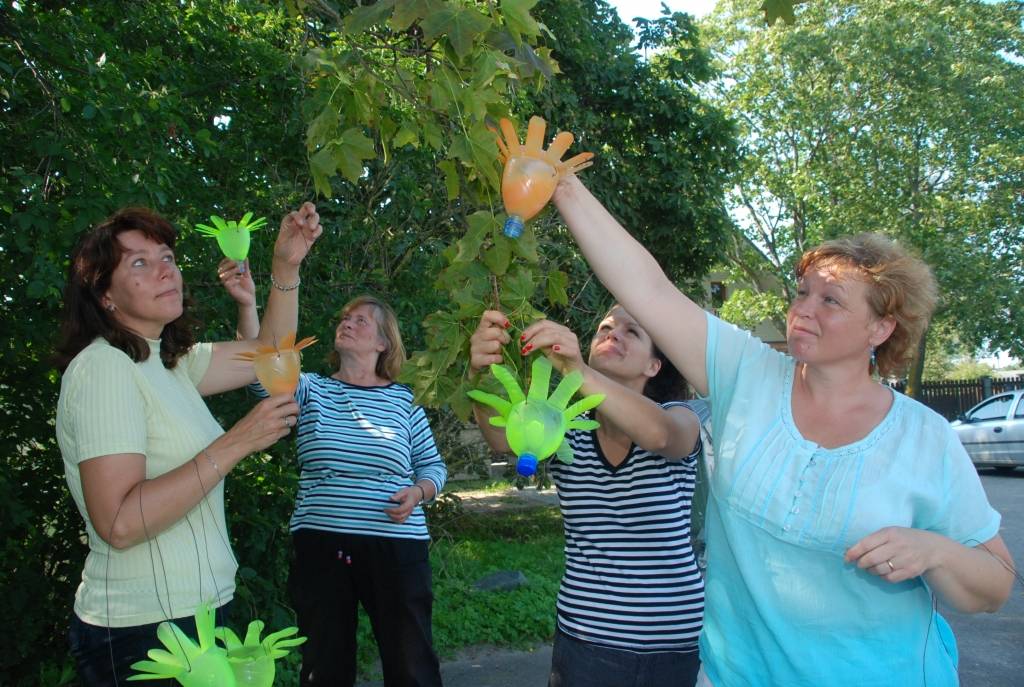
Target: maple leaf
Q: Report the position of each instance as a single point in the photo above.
(775, 9)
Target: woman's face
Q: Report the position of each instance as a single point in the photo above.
(830, 319)
(622, 349)
(145, 287)
(359, 332)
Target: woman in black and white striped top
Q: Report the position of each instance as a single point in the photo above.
(632, 599)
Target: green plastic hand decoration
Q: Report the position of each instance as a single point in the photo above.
(232, 237)
(205, 665)
(253, 660)
(535, 425)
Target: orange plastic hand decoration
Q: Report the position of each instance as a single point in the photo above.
(531, 173)
(277, 367)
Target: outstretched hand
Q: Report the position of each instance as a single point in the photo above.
(894, 553)
(299, 230)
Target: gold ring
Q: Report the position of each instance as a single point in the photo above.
(892, 568)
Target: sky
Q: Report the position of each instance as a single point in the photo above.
(651, 9)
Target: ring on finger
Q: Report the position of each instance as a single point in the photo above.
(892, 568)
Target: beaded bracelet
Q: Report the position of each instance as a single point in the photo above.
(285, 287)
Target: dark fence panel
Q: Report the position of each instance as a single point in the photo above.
(954, 397)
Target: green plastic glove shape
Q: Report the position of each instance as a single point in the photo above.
(535, 425)
(205, 665)
(253, 660)
(232, 237)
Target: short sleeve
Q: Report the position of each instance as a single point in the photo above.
(962, 512)
(731, 354)
(104, 406)
(197, 361)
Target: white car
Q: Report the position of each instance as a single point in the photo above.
(993, 431)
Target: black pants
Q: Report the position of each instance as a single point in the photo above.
(331, 574)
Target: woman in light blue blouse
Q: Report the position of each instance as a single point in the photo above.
(839, 509)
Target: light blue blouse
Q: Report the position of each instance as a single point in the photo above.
(783, 608)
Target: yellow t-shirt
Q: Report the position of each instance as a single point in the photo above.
(109, 404)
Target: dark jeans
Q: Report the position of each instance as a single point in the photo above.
(575, 663)
(103, 655)
(333, 573)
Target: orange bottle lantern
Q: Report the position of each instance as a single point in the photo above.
(531, 173)
(277, 367)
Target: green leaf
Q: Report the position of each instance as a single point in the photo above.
(408, 11)
(779, 9)
(461, 24)
(352, 148)
(363, 17)
(497, 257)
(322, 128)
(557, 283)
(518, 19)
(406, 135)
(451, 178)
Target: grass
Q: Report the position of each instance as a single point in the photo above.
(468, 546)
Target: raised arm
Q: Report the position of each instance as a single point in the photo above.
(299, 229)
(676, 324)
(669, 432)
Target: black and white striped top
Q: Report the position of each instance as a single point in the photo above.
(356, 447)
(631, 580)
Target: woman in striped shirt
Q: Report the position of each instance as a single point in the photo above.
(367, 461)
(630, 604)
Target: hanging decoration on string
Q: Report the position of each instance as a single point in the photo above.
(232, 236)
(277, 367)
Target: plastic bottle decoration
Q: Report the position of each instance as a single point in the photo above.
(205, 665)
(535, 425)
(277, 367)
(253, 660)
(531, 174)
(233, 237)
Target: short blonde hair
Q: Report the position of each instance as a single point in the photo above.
(390, 361)
(900, 285)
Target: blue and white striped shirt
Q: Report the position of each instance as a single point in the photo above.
(631, 580)
(356, 447)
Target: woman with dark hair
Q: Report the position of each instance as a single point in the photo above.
(143, 457)
(839, 510)
(367, 463)
(631, 601)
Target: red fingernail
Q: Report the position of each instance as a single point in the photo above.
(523, 337)
(555, 348)
(507, 324)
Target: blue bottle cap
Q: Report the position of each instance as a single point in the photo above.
(527, 465)
(513, 227)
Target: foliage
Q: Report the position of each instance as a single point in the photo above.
(206, 107)
(970, 369)
(420, 89)
(747, 309)
(890, 116)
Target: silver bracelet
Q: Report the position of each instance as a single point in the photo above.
(216, 468)
(285, 287)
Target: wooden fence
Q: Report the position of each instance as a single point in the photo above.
(951, 398)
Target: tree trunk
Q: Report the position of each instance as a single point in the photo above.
(917, 368)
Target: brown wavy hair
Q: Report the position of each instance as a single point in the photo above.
(389, 363)
(900, 285)
(92, 263)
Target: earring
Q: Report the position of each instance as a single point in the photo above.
(873, 359)
(111, 307)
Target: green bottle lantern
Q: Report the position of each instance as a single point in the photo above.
(232, 237)
(535, 425)
(192, 665)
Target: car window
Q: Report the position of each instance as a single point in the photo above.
(1020, 407)
(993, 409)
